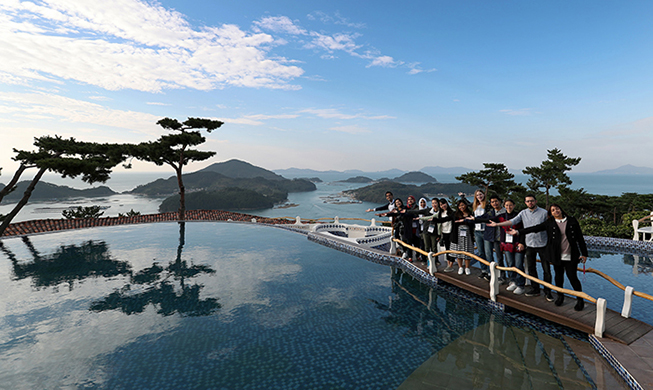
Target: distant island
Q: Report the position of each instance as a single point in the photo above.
(375, 193)
(357, 179)
(415, 177)
(626, 170)
(48, 191)
(214, 187)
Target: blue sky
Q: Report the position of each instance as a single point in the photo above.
(339, 84)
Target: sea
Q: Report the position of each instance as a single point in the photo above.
(328, 201)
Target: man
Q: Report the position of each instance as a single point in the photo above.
(390, 206)
(535, 244)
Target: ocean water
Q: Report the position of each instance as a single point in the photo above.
(325, 202)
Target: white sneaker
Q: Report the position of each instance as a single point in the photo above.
(468, 271)
(512, 286)
(518, 291)
(460, 270)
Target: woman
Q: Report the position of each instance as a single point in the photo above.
(479, 208)
(431, 230)
(461, 235)
(511, 247)
(565, 249)
(445, 225)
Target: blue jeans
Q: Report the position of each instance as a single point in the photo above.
(494, 246)
(516, 260)
(480, 245)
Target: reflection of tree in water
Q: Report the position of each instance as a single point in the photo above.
(69, 263)
(156, 285)
(642, 264)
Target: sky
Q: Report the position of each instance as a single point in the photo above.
(337, 85)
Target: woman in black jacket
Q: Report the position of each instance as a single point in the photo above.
(565, 248)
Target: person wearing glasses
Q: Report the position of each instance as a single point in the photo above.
(535, 244)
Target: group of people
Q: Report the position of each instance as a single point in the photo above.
(499, 233)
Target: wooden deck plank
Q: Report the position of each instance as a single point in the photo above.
(623, 330)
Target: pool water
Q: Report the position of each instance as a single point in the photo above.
(235, 306)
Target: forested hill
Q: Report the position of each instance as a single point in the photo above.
(48, 191)
(376, 192)
(238, 169)
(212, 181)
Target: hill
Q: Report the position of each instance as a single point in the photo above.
(357, 179)
(376, 192)
(238, 169)
(231, 199)
(626, 170)
(49, 191)
(415, 177)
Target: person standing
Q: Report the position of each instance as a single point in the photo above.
(535, 244)
(565, 249)
(491, 236)
(479, 208)
(390, 206)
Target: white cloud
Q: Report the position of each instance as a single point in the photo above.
(59, 108)
(520, 112)
(340, 41)
(131, 44)
(280, 24)
(157, 104)
(416, 69)
(335, 19)
(350, 129)
(383, 61)
(332, 113)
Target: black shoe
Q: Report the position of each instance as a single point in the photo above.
(532, 292)
(580, 304)
(560, 299)
(486, 276)
(549, 296)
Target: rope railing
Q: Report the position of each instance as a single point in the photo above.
(578, 294)
(601, 304)
(495, 269)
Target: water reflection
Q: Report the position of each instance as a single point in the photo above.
(68, 264)
(168, 288)
(473, 348)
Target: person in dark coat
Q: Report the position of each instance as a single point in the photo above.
(565, 248)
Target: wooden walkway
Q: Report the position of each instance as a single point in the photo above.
(617, 328)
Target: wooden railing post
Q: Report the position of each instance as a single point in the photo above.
(494, 281)
(432, 264)
(298, 220)
(628, 302)
(373, 222)
(599, 325)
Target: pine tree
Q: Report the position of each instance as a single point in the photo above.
(551, 173)
(174, 149)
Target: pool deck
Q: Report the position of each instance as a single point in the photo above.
(629, 340)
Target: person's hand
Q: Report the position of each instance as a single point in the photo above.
(368, 210)
(583, 259)
(512, 232)
(471, 218)
(492, 224)
(520, 247)
(460, 220)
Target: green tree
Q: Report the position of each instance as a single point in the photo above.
(495, 177)
(174, 149)
(551, 173)
(83, 212)
(67, 157)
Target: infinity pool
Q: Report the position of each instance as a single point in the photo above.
(234, 306)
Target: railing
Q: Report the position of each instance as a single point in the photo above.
(601, 303)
